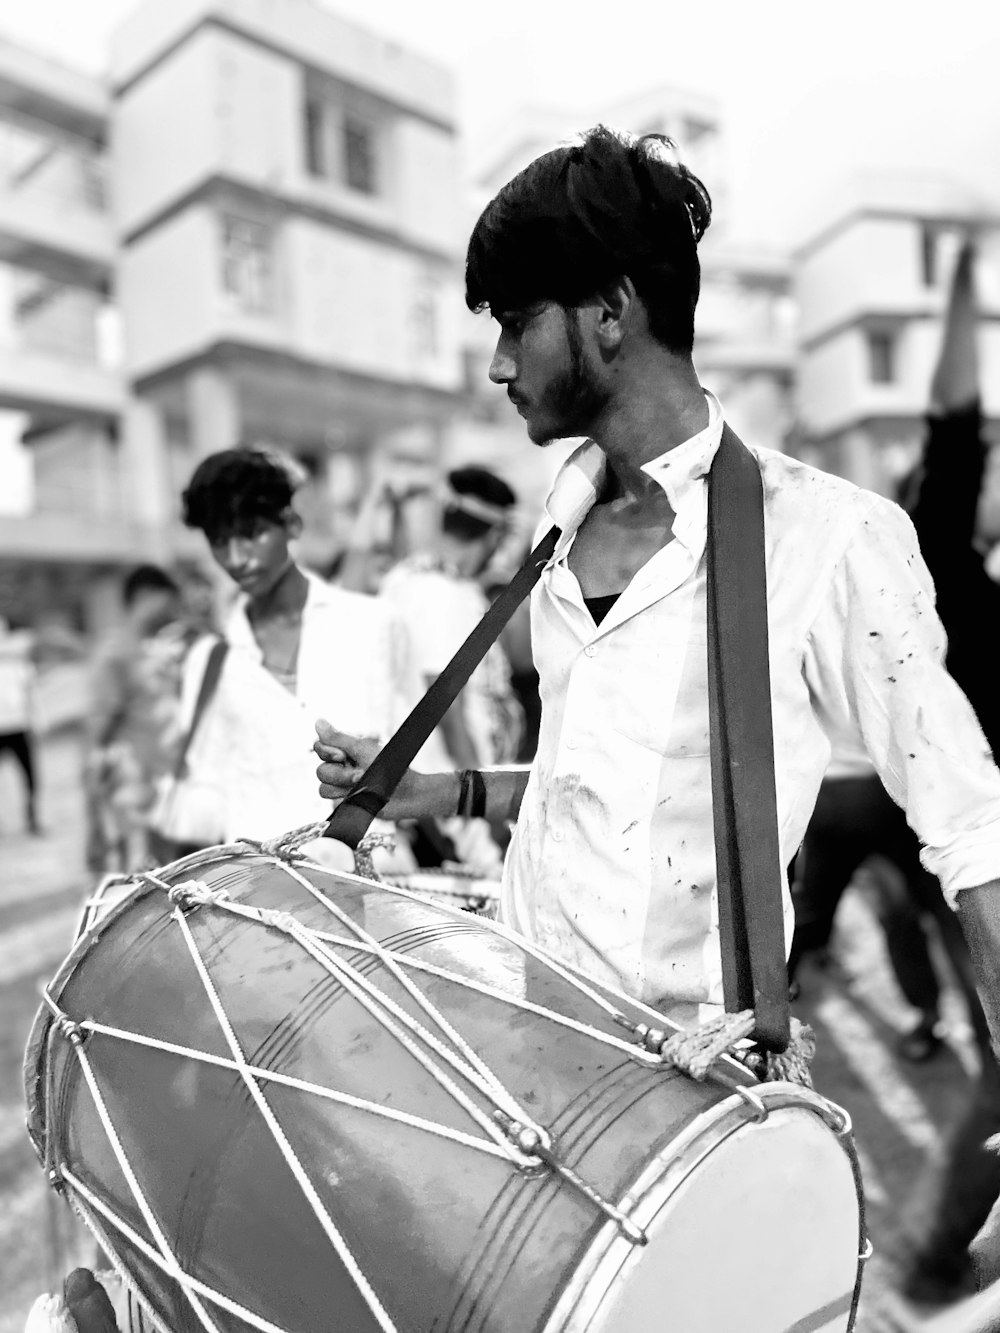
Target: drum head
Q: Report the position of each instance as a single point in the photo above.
(778, 1196)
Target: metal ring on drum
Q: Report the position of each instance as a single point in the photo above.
(290, 1099)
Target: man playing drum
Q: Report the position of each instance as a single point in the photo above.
(588, 261)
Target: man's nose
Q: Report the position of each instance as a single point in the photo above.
(235, 553)
(502, 369)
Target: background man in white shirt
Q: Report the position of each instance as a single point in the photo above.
(297, 647)
(438, 596)
(588, 261)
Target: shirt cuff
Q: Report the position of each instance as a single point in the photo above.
(967, 861)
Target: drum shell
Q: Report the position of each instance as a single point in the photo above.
(449, 1237)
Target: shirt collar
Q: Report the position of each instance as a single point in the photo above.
(679, 471)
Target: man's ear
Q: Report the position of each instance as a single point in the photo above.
(292, 521)
(615, 311)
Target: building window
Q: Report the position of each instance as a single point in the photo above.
(342, 144)
(928, 255)
(247, 262)
(881, 356)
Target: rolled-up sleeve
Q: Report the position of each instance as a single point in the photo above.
(874, 663)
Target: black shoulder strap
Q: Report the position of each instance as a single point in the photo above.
(747, 852)
(209, 680)
(352, 818)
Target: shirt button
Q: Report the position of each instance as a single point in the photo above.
(590, 649)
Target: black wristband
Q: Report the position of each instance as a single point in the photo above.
(478, 810)
(464, 791)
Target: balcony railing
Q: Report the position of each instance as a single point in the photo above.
(51, 165)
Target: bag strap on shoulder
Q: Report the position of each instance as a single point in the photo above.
(209, 681)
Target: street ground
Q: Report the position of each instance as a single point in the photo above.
(900, 1110)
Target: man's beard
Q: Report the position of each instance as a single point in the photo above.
(571, 400)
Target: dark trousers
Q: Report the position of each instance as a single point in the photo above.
(854, 819)
(18, 743)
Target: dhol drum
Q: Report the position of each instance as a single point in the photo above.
(297, 1101)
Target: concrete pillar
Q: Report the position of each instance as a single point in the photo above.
(146, 476)
(214, 417)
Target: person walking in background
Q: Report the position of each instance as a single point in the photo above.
(943, 497)
(855, 820)
(298, 648)
(17, 672)
(439, 595)
(133, 724)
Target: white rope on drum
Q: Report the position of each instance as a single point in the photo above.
(498, 928)
(172, 1270)
(385, 1011)
(491, 1085)
(300, 1085)
(474, 1069)
(295, 1166)
(133, 1181)
(494, 992)
(80, 1198)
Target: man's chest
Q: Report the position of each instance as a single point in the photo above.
(615, 540)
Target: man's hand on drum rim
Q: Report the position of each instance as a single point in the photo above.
(345, 759)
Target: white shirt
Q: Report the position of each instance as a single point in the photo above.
(256, 737)
(612, 865)
(440, 609)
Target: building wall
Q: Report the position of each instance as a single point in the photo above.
(220, 105)
(328, 296)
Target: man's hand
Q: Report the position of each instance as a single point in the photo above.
(346, 759)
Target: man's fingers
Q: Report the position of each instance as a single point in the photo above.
(330, 753)
(329, 735)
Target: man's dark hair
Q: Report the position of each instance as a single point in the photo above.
(583, 215)
(146, 578)
(236, 489)
(482, 491)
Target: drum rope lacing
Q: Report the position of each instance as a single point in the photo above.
(511, 1132)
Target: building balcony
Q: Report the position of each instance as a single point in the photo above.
(53, 214)
(58, 536)
(48, 385)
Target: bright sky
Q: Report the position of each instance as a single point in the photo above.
(810, 89)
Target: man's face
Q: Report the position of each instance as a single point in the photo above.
(541, 360)
(255, 557)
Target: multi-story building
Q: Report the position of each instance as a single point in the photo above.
(871, 284)
(283, 252)
(60, 386)
(286, 200)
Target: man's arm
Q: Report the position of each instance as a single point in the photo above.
(979, 913)
(419, 795)
(875, 663)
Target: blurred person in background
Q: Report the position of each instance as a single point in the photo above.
(944, 497)
(298, 648)
(17, 674)
(855, 820)
(439, 594)
(133, 723)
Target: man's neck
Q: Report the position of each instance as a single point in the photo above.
(660, 406)
(284, 600)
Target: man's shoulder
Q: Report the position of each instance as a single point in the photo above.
(803, 493)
